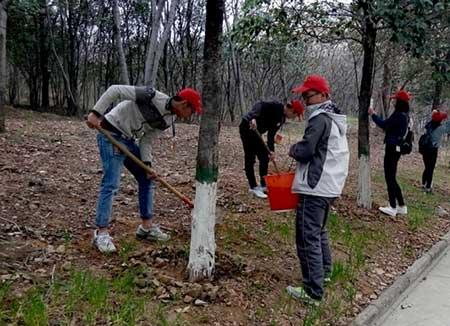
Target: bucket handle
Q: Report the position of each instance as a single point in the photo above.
(292, 163)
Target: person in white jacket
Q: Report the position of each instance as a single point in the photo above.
(322, 167)
(141, 114)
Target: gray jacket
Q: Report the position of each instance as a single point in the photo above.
(143, 113)
(436, 134)
(322, 155)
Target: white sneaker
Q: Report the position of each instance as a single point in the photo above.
(388, 210)
(402, 210)
(103, 242)
(263, 189)
(258, 192)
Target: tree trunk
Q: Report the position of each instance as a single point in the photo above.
(369, 39)
(13, 85)
(3, 19)
(236, 71)
(441, 70)
(203, 245)
(155, 47)
(437, 94)
(163, 41)
(73, 20)
(119, 46)
(156, 13)
(386, 87)
(43, 56)
(282, 76)
(60, 65)
(34, 93)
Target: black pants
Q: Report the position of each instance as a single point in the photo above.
(391, 158)
(253, 147)
(313, 247)
(429, 159)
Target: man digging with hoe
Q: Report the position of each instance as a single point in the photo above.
(142, 114)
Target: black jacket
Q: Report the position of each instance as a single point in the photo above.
(395, 127)
(269, 118)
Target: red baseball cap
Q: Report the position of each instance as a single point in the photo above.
(193, 97)
(438, 116)
(402, 95)
(313, 82)
(297, 106)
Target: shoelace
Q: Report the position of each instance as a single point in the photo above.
(104, 237)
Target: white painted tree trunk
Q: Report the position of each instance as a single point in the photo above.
(364, 184)
(203, 242)
(203, 247)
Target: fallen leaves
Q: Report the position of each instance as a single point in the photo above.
(49, 178)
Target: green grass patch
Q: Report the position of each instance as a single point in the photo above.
(85, 298)
(127, 247)
(34, 309)
(9, 307)
(313, 315)
(358, 240)
(280, 227)
(421, 205)
(261, 246)
(233, 235)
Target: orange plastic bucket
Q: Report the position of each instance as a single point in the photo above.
(279, 191)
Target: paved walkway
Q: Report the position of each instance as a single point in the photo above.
(428, 302)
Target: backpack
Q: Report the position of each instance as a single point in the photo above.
(406, 144)
(426, 142)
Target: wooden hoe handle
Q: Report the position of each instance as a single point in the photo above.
(268, 150)
(136, 160)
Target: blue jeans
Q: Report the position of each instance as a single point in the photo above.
(112, 162)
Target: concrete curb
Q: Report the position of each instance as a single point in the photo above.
(380, 306)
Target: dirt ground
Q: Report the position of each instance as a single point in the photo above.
(49, 178)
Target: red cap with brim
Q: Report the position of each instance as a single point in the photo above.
(313, 83)
(438, 116)
(193, 97)
(402, 95)
(298, 107)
